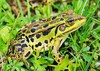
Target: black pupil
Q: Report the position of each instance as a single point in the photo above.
(70, 20)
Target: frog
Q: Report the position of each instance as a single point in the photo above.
(44, 34)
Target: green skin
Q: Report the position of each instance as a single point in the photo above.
(51, 30)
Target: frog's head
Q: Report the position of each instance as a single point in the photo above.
(70, 23)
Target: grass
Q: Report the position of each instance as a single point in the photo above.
(81, 50)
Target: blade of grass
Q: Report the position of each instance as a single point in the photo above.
(95, 20)
(90, 60)
(28, 6)
(85, 2)
(20, 8)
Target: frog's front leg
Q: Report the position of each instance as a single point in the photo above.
(55, 49)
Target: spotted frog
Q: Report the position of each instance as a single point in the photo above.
(44, 34)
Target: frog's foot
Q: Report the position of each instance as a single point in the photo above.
(57, 56)
(27, 64)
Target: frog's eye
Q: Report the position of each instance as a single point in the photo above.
(70, 19)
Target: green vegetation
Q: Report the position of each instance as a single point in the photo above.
(81, 50)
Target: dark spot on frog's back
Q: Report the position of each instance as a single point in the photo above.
(30, 36)
(33, 30)
(24, 30)
(22, 41)
(36, 25)
(47, 31)
(33, 21)
(38, 44)
(46, 41)
(32, 39)
(22, 34)
(17, 45)
(13, 48)
(27, 39)
(61, 19)
(32, 47)
(38, 36)
(46, 25)
(20, 49)
(42, 20)
(27, 54)
(24, 45)
(54, 17)
(51, 39)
